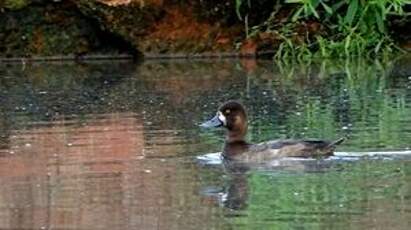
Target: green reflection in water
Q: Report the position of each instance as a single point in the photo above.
(361, 195)
(367, 101)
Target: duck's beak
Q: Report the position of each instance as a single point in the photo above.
(213, 123)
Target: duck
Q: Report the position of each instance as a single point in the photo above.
(232, 116)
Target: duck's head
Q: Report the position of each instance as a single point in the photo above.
(232, 116)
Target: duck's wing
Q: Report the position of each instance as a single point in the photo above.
(300, 148)
(267, 151)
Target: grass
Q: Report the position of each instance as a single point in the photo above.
(347, 27)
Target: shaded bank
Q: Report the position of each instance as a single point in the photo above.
(164, 27)
(48, 28)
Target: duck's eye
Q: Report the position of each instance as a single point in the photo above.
(227, 111)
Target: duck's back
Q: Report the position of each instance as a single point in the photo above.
(301, 148)
(285, 148)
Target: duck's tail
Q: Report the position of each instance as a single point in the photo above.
(336, 142)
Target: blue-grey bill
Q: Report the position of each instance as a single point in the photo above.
(214, 122)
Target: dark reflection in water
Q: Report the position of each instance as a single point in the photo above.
(112, 145)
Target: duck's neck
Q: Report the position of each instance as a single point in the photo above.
(237, 134)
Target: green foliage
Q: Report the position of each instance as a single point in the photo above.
(15, 4)
(356, 27)
(349, 28)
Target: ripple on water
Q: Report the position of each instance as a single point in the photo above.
(115, 146)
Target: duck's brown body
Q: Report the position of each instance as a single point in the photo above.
(233, 117)
(262, 152)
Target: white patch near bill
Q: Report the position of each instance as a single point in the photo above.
(222, 118)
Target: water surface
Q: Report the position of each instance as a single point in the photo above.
(114, 145)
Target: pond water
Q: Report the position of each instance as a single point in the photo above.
(116, 145)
